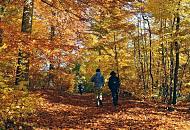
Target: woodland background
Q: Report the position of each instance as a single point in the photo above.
(57, 44)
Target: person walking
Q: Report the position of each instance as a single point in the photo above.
(81, 88)
(98, 80)
(114, 84)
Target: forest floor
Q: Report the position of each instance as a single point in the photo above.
(68, 111)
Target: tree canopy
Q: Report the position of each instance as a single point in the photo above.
(57, 44)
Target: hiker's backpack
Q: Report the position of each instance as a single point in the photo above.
(113, 83)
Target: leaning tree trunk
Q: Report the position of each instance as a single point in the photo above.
(22, 70)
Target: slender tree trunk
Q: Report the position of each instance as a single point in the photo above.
(167, 66)
(18, 70)
(116, 55)
(171, 72)
(184, 70)
(1, 36)
(158, 74)
(52, 35)
(171, 66)
(51, 66)
(145, 52)
(150, 52)
(176, 73)
(22, 70)
(1, 30)
(164, 78)
(176, 62)
(135, 51)
(146, 56)
(135, 59)
(140, 61)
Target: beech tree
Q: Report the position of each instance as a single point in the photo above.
(22, 70)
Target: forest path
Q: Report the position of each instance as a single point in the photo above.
(66, 111)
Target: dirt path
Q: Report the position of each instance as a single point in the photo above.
(80, 112)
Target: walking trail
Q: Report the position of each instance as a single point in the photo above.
(68, 111)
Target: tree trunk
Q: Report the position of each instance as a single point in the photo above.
(150, 52)
(27, 16)
(164, 78)
(116, 56)
(136, 60)
(176, 62)
(18, 70)
(171, 72)
(51, 66)
(171, 66)
(1, 36)
(146, 64)
(1, 30)
(22, 70)
(142, 74)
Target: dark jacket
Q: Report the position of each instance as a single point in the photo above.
(114, 83)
